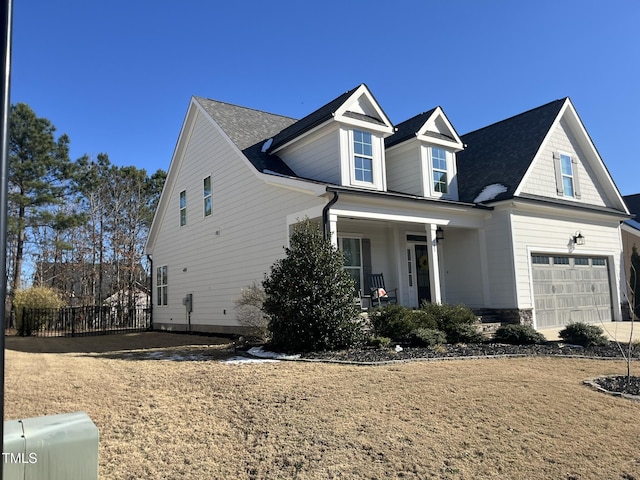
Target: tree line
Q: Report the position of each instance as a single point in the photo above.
(78, 226)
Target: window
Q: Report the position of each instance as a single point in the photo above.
(567, 175)
(581, 261)
(561, 260)
(363, 156)
(183, 208)
(540, 259)
(206, 192)
(352, 251)
(161, 285)
(439, 164)
(600, 262)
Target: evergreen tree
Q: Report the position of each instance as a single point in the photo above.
(310, 297)
(38, 168)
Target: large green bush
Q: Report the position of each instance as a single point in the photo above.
(310, 298)
(40, 298)
(517, 334)
(583, 334)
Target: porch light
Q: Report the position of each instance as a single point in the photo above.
(578, 239)
(439, 234)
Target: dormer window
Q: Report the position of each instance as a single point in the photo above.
(362, 156)
(439, 164)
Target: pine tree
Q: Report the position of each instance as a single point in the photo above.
(310, 297)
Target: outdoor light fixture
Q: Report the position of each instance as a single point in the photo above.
(578, 239)
(439, 234)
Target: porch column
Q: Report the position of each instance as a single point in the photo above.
(434, 264)
(333, 229)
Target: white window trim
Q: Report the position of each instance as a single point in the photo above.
(352, 155)
(162, 286)
(572, 176)
(446, 170)
(428, 163)
(204, 197)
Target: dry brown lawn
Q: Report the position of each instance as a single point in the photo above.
(462, 419)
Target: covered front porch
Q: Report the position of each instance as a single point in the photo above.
(428, 250)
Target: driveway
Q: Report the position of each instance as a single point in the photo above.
(615, 330)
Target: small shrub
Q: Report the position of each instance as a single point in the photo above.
(517, 334)
(457, 321)
(463, 333)
(583, 334)
(249, 312)
(427, 337)
(380, 342)
(398, 322)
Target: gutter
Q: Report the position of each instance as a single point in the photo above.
(326, 230)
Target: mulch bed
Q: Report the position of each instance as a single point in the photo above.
(368, 356)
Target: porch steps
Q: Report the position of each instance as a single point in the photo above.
(488, 324)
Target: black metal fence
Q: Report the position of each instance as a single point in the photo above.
(80, 321)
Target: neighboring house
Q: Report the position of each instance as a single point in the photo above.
(631, 238)
(520, 219)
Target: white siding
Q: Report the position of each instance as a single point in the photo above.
(215, 257)
(316, 156)
(500, 260)
(403, 169)
(462, 269)
(542, 180)
(538, 233)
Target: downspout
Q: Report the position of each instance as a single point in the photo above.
(150, 295)
(326, 230)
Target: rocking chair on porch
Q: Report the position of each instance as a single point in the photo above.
(379, 292)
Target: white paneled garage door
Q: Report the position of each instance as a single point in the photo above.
(570, 289)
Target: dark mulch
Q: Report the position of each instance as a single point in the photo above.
(378, 355)
(370, 355)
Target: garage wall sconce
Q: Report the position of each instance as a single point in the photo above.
(439, 234)
(578, 239)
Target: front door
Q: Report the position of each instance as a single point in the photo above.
(422, 274)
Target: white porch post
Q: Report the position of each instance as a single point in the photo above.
(434, 264)
(333, 229)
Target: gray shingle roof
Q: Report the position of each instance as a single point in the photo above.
(633, 203)
(501, 153)
(408, 128)
(248, 129)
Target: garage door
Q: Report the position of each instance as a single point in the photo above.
(570, 289)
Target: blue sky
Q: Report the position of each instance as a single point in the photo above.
(117, 76)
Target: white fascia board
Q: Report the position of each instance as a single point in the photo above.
(362, 90)
(385, 130)
(439, 113)
(547, 208)
(631, 229)
(174, 167)
(456, 147)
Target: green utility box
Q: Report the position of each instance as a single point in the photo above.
(55, 447)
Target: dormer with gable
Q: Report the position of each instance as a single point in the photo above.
(421, 156)
(341, 143)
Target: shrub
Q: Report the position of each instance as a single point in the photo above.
(310, 297)
(583, 334)
(398, 322)
(34, 298)
(249, 312)
(427, 337)
(380, 342)
(456, 321)
(517, 334)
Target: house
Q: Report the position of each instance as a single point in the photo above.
(630, 239)
(520, 219)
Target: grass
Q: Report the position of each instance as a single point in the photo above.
(464, 419)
